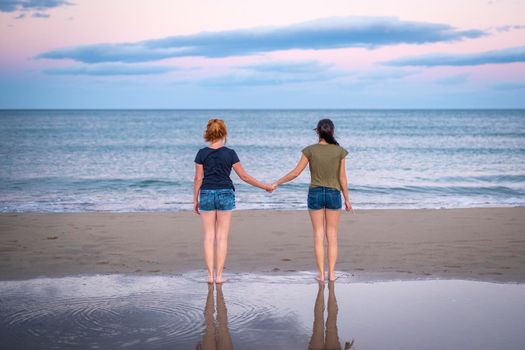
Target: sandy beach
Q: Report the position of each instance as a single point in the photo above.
(475, 244)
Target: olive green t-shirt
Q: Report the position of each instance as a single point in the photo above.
(325, 164)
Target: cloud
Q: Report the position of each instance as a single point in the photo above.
(41, 5)
(509, 86)
(510, 55)
(276, 73)
(307, 66)
(384, 74)
(40, 15)
(328, 33)
(454, 79)
(510, 27)
(110, 70)
(378, 77)
(242, 80)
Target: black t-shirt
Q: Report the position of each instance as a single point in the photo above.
(217, 167)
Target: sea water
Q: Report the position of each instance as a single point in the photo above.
(259, 312)
(142, 160)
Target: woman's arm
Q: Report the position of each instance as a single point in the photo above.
(344, 185)
(197, 183)
(295, 172)
(249, 179)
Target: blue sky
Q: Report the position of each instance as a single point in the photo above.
(250, 54)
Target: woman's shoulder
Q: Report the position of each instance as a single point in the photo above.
(228, 149)
(309, 147)
(232, 154)
(343, 151)
(202, 150)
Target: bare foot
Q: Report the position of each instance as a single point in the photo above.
(332, 277)
(210, 279)
(320, 277)
(219, 279)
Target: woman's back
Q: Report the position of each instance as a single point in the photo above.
(325, 164)
(217, 163)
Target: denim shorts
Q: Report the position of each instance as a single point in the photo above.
(324, 198)
(220, 199)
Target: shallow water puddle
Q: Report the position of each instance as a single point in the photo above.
(259, 312)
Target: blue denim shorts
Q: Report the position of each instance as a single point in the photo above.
(220, 199)
(324, 198)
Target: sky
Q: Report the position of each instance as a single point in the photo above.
(206, 54)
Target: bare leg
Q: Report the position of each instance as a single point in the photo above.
(317, 217)
(332, 226)
(223, 230)
(208, 226)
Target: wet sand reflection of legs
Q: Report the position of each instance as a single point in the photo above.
(329, 338)
(216, 333)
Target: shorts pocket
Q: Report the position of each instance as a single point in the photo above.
(206, 201)
(314, 199)
(333, 200)
(225, 200)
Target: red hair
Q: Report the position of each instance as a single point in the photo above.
(215, 130)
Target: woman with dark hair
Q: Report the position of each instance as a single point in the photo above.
(328, 179)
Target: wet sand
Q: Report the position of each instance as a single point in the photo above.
(259, 312)
(486, 244)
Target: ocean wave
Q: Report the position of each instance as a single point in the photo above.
(441, 190)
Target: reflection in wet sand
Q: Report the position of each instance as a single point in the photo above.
(264, 312)
(328, 339)
(216, 334)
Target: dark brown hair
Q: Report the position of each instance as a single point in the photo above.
(325, 130)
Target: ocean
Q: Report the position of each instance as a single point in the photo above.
(142, 160)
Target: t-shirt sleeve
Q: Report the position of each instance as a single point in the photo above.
(344, 153)
(198, 157)
(307, 151)
(235, 158)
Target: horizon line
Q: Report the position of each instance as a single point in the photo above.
(266, 109)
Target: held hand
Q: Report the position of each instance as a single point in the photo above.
(196, 207)
(269, 188)
(348, 205)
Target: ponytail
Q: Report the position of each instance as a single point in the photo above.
(215, 130)
(325, 130)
